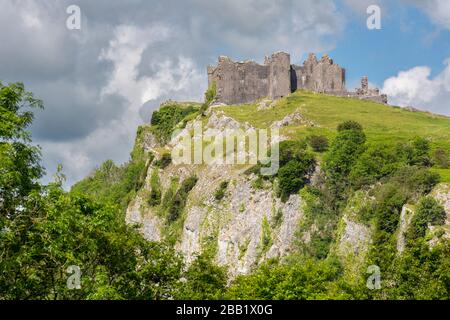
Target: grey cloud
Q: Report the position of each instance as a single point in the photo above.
(63, 68)
(34, 42)
(73, 111)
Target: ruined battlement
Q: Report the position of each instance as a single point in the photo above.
(247, 81)
(242, 82)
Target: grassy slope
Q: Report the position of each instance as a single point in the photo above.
(381, 123)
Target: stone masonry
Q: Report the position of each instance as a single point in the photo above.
(319, 76)
(245, 82)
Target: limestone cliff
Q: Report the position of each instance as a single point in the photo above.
(248, 224)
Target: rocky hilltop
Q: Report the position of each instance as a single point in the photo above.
(238, 219)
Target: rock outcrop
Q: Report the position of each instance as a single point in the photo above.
(246, 227)
(442, 194)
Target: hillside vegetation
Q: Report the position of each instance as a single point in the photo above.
(381, 123)
(359, 209)
(379, 199)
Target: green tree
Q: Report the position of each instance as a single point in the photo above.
(297, 279)
(344, 151)
(294, 175)
(165, 120)
(65, 230)
(349, 125)
(420, 273)
(179, 200)
(318, 143)
(20, 167)
(44, 230)
(416, 152)
(377, 161)
(203, 280)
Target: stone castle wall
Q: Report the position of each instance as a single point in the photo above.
(245, 82)
(319, 76)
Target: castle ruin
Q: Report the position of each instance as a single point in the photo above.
(245, 82)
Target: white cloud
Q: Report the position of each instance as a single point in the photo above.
(114, 140)
(412, 86)
(437, 10)
(416, 87)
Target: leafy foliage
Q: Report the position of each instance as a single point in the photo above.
(19, 160)
(377, 161)
(165, 120)
(296, 164)
(349, 125)
(318, 143)
(210, 95)
(155, 192)
(344, 152)
(179, 200)
(293, 176)
(318, 212)
(429, 212)
(64, 230)
(300, 279)
(114, 184)
(203, 281)
(420, 273)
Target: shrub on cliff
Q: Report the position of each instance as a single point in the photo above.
(168, 117)
(429, 211)
(318, 143)
(294, 175)
(220, 192)
(344, 151)
(155, 192)
(210, 95)
(180, 198)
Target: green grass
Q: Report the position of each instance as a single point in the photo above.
(381, 123)
(444, 173)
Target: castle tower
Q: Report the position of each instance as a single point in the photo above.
(279, 75)
(365, 84)
(310, 63)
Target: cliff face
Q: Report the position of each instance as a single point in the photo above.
(241, 230)
(248, 224)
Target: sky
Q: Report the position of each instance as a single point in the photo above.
(99, 82)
